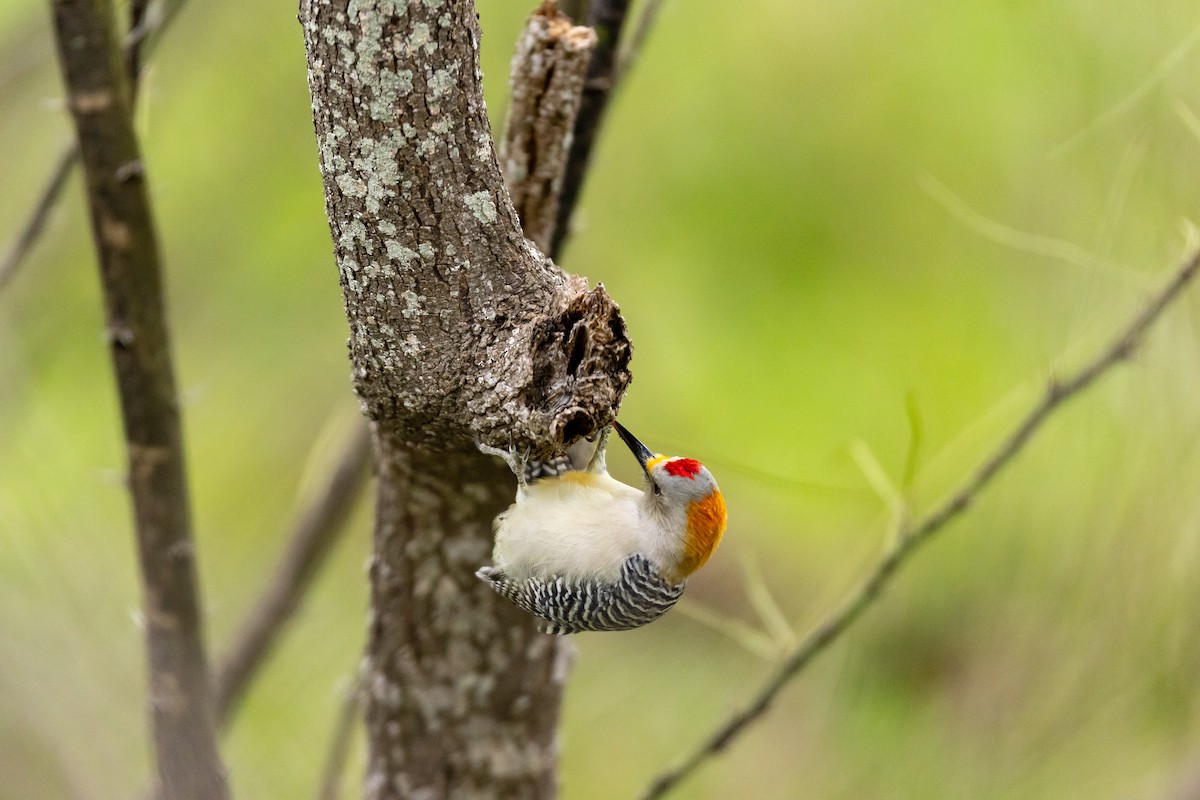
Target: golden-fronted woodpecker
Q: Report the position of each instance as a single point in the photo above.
(585, 552)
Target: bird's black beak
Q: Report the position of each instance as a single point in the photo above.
(640, 451)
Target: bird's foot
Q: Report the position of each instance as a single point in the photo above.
(516, 460)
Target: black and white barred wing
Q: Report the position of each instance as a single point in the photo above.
(638, 596)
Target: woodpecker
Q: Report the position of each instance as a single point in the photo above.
(586, 552)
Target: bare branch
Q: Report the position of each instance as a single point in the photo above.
(133, 47)
(311, 541)
(32, 229)
(641, 32)
(547, 80)
(608, 67)
(126, 243)
(606, 17)
(911, 537)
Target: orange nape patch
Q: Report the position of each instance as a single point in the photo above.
(705, 526)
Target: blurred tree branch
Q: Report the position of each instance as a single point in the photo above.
(31, 231)
(311, 541)
(637, 43)
(911, 535)
(340, 741)
(123, 232)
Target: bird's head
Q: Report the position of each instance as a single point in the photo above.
(683, 487)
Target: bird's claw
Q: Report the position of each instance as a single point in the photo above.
(515, 459)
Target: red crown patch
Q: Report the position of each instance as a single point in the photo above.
(682, 467)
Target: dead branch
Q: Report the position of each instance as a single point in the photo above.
(547, 81)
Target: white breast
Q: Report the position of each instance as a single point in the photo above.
(581, 526)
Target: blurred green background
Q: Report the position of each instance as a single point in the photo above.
(815, 217)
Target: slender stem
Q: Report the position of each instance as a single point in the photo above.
(313, 538)
(123, 231)
(637, 42)
(911, 537)
(339, 744)
(32, 229)
(133, 48)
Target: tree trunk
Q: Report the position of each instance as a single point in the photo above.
(460, 332)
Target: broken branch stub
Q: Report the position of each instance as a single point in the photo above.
(547, 79)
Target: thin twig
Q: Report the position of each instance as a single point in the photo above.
(146, 28)
(132, 51)
(637, 42)
(913, 536)
(317, 530)
(126, 243)
(32, 229)
(607, 70)
(340, 741)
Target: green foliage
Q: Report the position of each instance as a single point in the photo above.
(783, 205)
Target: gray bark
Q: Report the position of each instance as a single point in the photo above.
(460, 331)
(547, 82)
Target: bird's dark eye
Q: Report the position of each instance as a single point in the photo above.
(657, 488)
